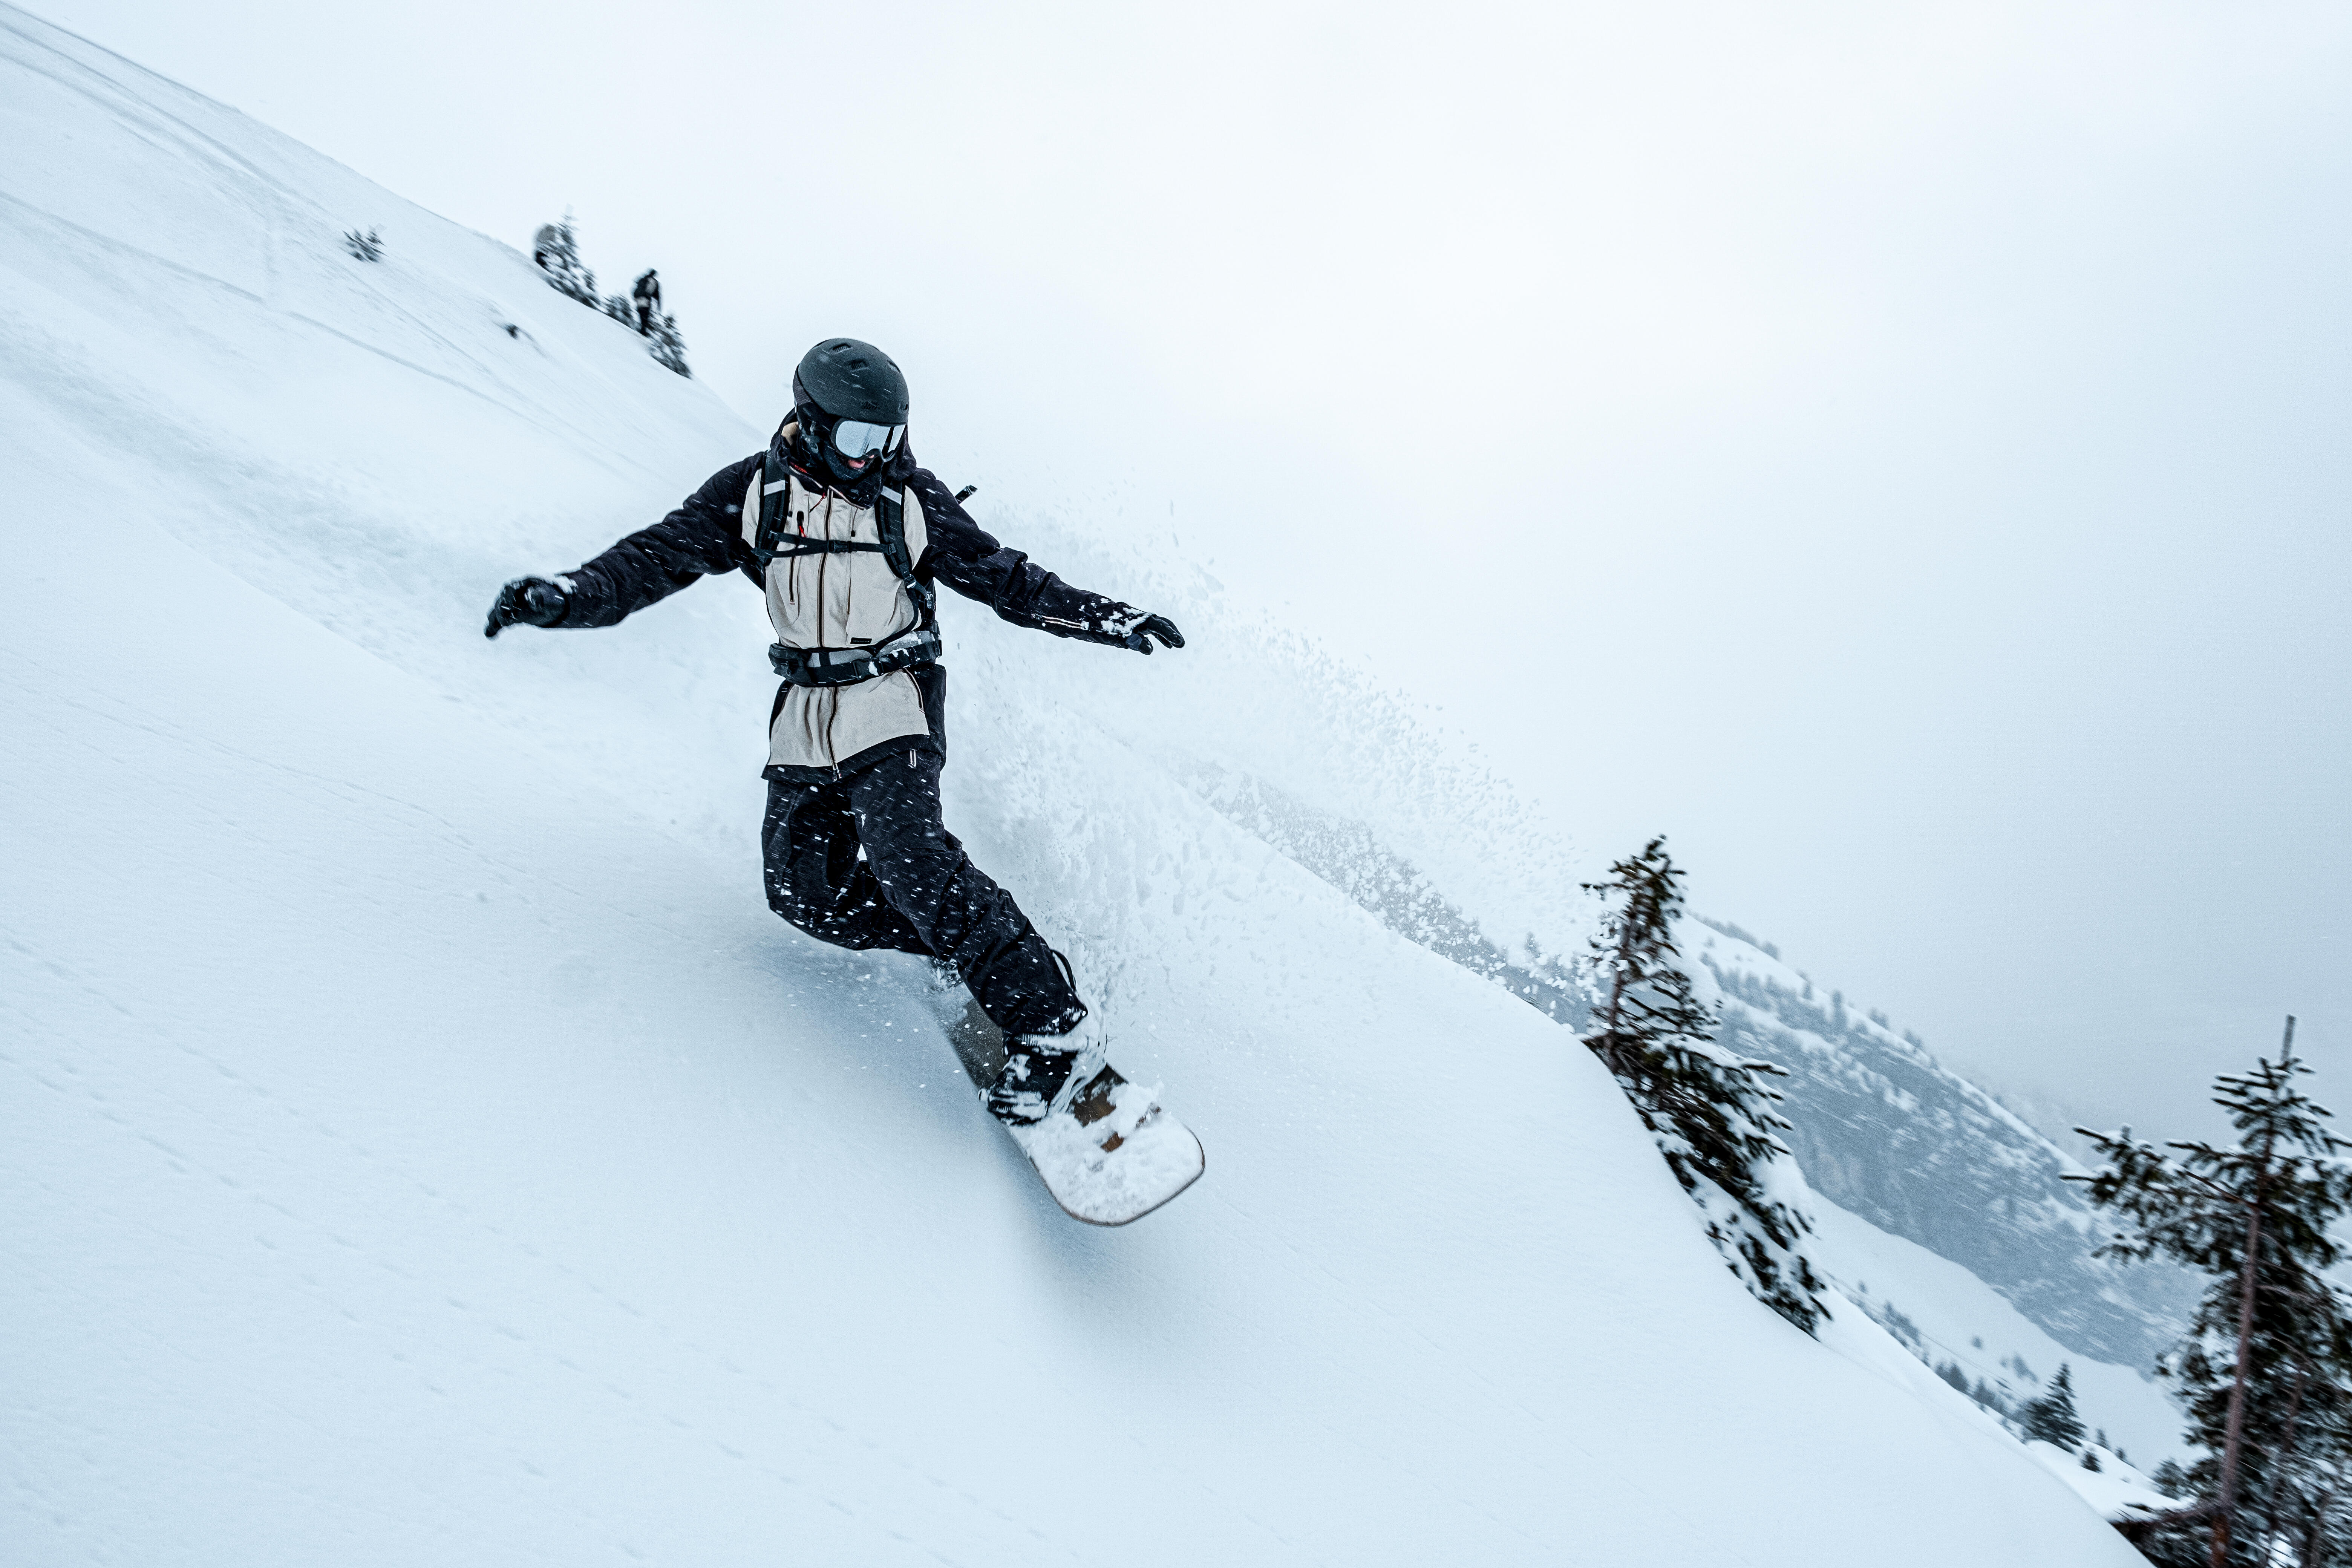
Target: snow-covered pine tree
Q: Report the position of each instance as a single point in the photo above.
(2052, 1418)
(666, 347)
(617, 306)
(368, 246)
(2264, 1370)
(558, 253)
(1709, 1111)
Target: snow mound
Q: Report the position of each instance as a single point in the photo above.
(423, 1146)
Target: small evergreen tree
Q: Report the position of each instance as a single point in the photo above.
(2269, 1353)
(368, 246)
(666, 347)
(2051, 1417)
(558, 255)
(1710, 1112)
(556, 250)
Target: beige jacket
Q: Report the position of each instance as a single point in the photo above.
(838, 601)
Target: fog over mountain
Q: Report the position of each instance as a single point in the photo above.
(1922, 427)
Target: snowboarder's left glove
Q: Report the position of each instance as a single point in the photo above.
(1139, 630)
(528, 601)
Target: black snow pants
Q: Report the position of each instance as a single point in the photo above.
(914, 889)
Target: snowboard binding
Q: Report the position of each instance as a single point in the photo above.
(1035, 1071)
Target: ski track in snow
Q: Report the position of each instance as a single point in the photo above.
(424, 1146)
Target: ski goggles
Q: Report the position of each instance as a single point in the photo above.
(856, 438)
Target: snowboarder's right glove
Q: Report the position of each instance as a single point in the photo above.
(527, 601)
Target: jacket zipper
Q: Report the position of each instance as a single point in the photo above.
(833, 708)
(800, 530)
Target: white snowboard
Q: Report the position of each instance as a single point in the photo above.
(1113, 1154)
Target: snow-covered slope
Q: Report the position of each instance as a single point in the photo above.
(421, 1144)
(1948, 1317)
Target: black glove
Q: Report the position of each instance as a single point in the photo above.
(1141, 628)
(527, 601)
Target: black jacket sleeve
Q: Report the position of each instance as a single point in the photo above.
(962, 554)
(705, 534)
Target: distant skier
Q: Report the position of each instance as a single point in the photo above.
(847, 536)
(648, 297)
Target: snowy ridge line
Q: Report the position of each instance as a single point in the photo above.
(2097, 1311)
(618, 461)
(1885, 1131)
(2114, 1491)
(1983, 1100)
(1947, 1306)
(1879, 1307)
(116, 102)
(1909, 1045)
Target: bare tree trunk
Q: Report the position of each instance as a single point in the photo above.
(2315, 1530)
(2233, 1431)
(1614, 1011)
(2280, 1457)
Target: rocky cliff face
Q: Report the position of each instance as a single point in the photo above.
(1881, 1128)
(1886, 1131)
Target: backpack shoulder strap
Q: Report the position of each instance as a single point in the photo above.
(764, 531)
(890, 522)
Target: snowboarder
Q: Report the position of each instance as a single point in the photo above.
(847, 536)
(648, 297)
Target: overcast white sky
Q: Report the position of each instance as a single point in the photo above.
(1899, 452)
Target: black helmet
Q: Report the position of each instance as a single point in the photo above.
(850, 380)
(852, 405)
